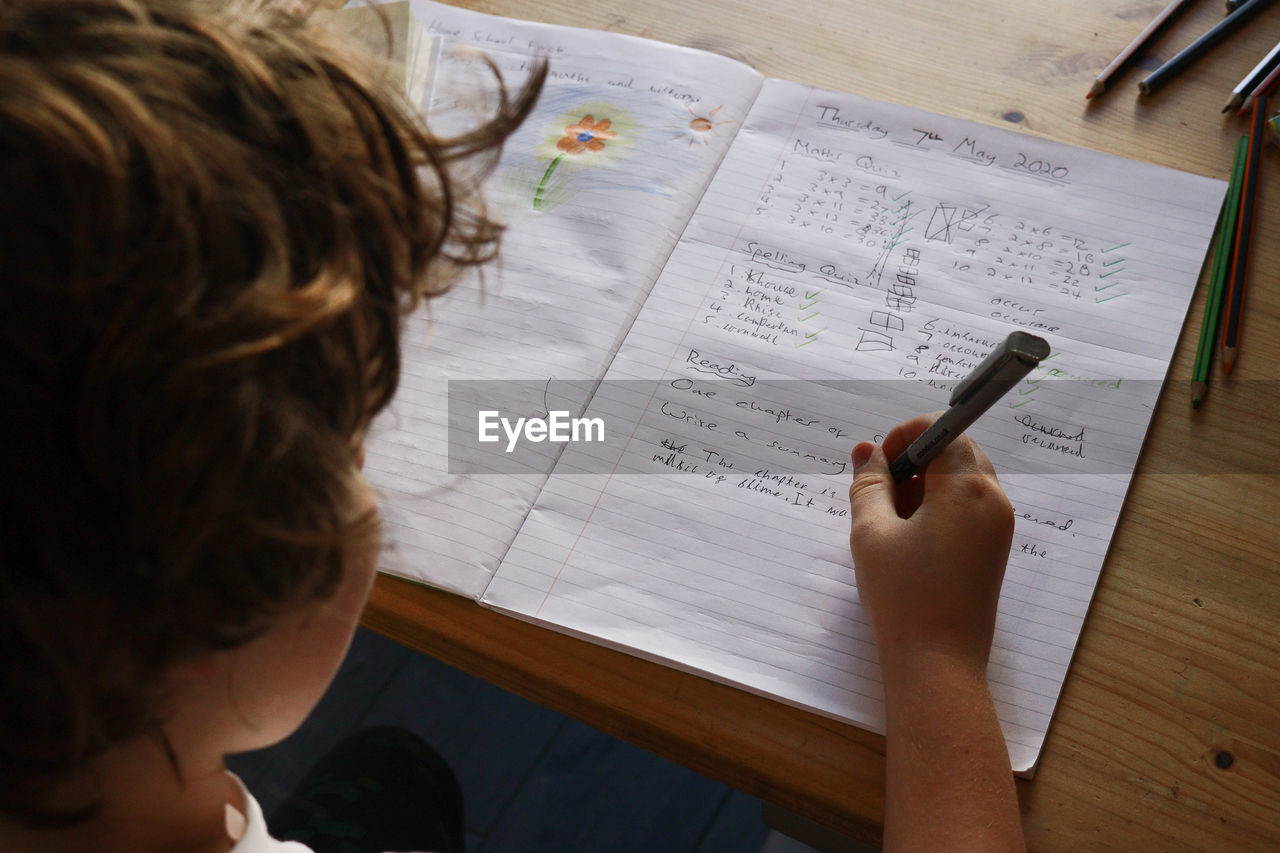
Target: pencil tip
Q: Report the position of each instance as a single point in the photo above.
(1198, 390)
(1096, 89)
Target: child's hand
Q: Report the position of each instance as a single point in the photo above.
(930, 554)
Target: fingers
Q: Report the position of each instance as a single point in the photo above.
(961, 471)
(871, 497)
(961, 456)
(983, 462)
(961, 460)
(906, 432)
(961, 476)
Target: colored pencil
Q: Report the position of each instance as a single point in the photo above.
(1221, 260)
(1254, 79)
(1130, 53)
(1264, 88)
(1233, 21)
(1234, 309)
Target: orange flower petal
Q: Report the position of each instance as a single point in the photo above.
(587, 122)
(595, 144)
(602, 125)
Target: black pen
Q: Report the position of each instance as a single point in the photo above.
(1002, 369)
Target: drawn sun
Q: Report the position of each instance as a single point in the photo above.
(699, 128)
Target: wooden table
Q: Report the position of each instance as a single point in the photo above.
(1167, 736)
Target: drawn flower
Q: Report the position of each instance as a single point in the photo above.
(590, 135)
(587, 135)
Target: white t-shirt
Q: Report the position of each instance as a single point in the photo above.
(248, 827)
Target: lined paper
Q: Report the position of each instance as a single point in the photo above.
(573, 271)
(849, 263)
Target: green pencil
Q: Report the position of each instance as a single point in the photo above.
(1221, 259)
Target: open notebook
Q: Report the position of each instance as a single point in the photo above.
(740, 278)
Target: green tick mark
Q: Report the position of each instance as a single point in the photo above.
(1116, 261)
(1016, 405)
(1097, 289)
(808, 339)
(898, 243)
(808, 305)
(813, 294)
(810, 317)
(1109, 298)
(1113, 272)
(1113, 248)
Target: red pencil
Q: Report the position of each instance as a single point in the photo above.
(1244, 228)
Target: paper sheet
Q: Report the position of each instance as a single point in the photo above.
(589, 229)
(850, 262)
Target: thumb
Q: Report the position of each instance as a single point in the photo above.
(871, 497)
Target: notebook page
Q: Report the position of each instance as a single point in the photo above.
(851, 261)
(590, 224)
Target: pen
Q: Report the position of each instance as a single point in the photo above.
(1002, 369)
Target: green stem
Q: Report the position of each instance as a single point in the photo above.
(542, 184)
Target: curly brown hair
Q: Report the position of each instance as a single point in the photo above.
(213, 220)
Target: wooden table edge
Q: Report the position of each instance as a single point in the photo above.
(833, 771)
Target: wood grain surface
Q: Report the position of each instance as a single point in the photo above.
(1167, 736)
